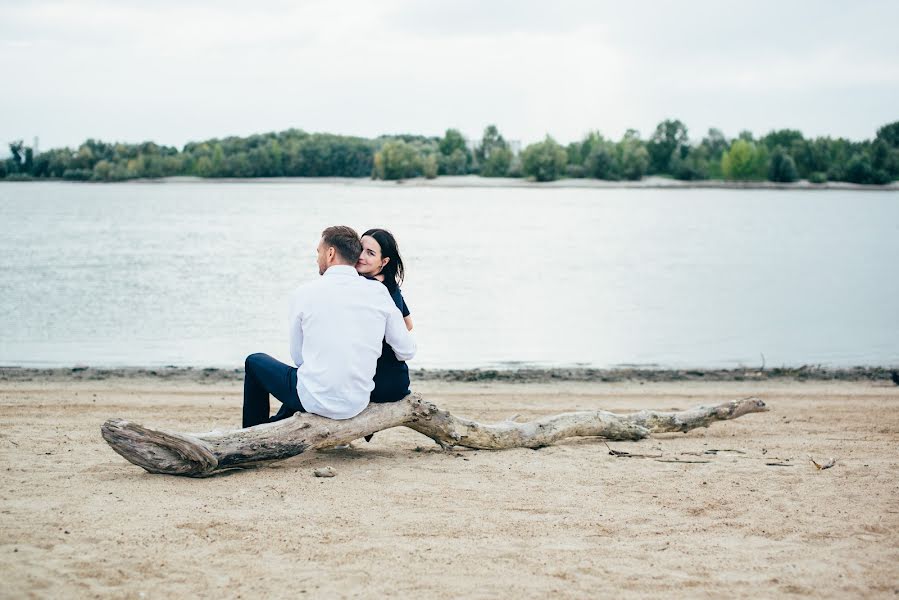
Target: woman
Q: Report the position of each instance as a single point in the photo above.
(380, 259)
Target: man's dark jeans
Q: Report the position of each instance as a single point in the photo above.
(263, 376)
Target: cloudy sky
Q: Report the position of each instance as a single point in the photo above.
(174, 71)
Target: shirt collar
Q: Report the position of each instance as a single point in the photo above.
(341, 270)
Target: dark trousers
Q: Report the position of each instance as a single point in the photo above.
(391, 384)
(263, 376)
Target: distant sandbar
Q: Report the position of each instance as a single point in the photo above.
(474, 181)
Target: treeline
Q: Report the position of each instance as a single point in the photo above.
(781, 156)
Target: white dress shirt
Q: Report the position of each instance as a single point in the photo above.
(337, 324)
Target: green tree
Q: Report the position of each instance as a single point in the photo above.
(889, 134)
(453, 164)
(203, 167)
(544, 161)
(688, 164)
(493, 154)
(785, 138)
(837, 154)
(53, 163)
(218, 161)
(885, 159)
(744, 161)
(817, 156)
(782, 168)
(21, 162)
(602, 160)
(574, 154)
(860, 170)
(670, 135)
(455, 158)
(103, 171)
(276, 155)
(238, 165)
(497, 163)
(396, 160)
(429, 166)
(16, 163)
(261, 162)
(633, 157)
(28, 163)
(452, 140)
(714, 145)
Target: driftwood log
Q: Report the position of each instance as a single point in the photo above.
(202, 454)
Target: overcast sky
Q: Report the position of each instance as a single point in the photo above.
(174, 71)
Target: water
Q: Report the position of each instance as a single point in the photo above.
(198, 274)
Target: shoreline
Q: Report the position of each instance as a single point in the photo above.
(535, 375)
(475, 181)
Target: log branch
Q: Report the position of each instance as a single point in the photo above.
(203, 454)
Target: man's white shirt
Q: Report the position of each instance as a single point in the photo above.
(337, 324)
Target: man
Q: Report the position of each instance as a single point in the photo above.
(337, 324)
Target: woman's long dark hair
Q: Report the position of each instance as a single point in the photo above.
(393, 271)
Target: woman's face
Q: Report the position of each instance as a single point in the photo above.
(370, 261)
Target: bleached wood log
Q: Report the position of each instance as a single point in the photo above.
(202, 454)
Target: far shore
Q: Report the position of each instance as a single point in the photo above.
(474, 181)
(523, 375)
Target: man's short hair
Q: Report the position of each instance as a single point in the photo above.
(345, 240)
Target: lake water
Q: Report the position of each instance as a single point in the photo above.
(198, 274)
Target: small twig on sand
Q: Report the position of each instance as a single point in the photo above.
(622, 454)
(778, 464)
(675, 460)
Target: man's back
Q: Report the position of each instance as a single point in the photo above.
(337, 324)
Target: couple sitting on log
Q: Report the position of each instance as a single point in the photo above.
(349, 335)
(348, 341)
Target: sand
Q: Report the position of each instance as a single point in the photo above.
(402, 519)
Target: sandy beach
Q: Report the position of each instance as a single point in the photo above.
(735, 510)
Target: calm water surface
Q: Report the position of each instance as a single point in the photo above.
(198, 274)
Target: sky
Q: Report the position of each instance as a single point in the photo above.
(173, 71)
